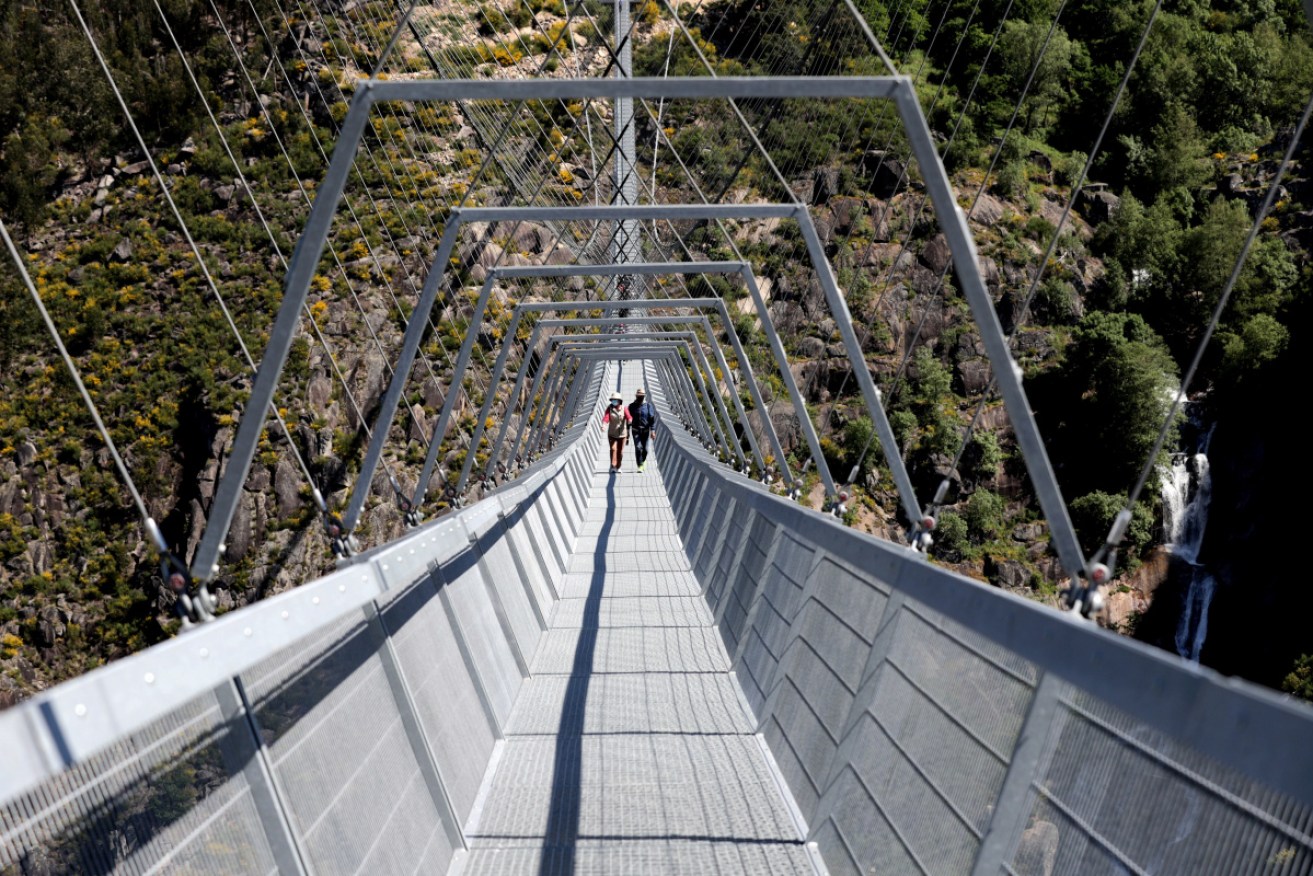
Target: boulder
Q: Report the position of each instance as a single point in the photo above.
(974, 375)
(988, 210)
(845, 211)
(287, 485)
(825, 185)
(1099, 206)
(887, 175)
(1009, 574)
(937, 255)
(240, 533)
(810, 348)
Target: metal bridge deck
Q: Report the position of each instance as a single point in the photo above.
(630, 749)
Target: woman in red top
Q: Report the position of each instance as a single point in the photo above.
(616, 421)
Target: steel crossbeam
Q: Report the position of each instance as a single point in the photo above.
(701, 369)
(573, 344)
(717, 304)
(532, 343)
(476, 321)
(462, 216)
(698, 320)
(952, 220)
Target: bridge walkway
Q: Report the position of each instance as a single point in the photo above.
(630, 748)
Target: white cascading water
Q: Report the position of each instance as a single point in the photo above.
(1187, 489)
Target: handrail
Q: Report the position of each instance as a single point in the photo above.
(71, 722)
(1262, 734)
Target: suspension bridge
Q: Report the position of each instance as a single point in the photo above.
(575, 669)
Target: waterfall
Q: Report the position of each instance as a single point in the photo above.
(1187, 490)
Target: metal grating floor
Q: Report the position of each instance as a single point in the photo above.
(630, 750)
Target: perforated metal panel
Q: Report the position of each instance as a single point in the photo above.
(445, 690)
(717, 583)
(497, 662)
(171, 798)
(746, 583)
(367, 739)
(353, 788)
(1112, 793)
(510, 589)
(915, 744)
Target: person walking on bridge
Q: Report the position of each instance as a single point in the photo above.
(616, 423)
(642, 418)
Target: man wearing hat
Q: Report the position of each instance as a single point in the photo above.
(616, 423)
(642, 424)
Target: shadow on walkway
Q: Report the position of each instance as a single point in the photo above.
(567, 779)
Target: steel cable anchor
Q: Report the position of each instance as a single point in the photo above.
(1085, 595)
(191, 607)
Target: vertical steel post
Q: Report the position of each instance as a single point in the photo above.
(549, 408)
(569, 397)
(782, 360)
(493, 382)
(513, 399)
(1016, 797)
(755, 391)
(543, 368)
(415, 328)
(625, 244)
(733, 389)
(710, 388)
(453, 391)
(243, 749)
(857, 358)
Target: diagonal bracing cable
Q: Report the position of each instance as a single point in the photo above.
(201, 607)
(332, 523)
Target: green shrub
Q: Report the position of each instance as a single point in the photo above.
(985, 515)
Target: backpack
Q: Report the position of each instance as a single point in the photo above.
(615, 427)
(644, 417)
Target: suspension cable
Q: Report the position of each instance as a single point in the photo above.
(148, 523)
(173, 570)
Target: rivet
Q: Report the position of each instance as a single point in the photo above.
(246, 632)
(150, 678)
(283, 615)
(204, 652)
(385, 568)
(315, 600)
(80, 710)
(341, 588)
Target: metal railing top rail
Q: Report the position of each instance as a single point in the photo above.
(61, 727)
(1262, 734)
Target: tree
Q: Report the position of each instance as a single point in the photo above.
(1300, 680)
(1025, 47)
(1108, 401)
(985, 515)
(1259, 341)
(1093, 513)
